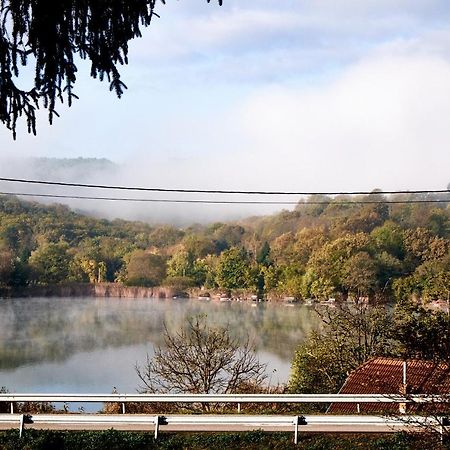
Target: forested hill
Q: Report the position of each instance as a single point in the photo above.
(334, 247)
(60, 169)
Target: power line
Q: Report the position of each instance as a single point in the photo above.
(217, 191)
(223, 202)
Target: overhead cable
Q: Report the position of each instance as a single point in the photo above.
(217, 191)
(229, 202)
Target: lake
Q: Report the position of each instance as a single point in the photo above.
(90, 345)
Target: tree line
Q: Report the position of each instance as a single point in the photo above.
(340, 247)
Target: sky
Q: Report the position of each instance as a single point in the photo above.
(265, 95)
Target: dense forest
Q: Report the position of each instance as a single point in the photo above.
(325, 247)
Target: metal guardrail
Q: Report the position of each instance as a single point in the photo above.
(319, 423)
(237, 399)
(82, 421)
(197, 422)
(225, 398)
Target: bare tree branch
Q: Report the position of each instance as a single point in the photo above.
(201, 360)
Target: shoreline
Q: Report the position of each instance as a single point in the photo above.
(88, 290)
(105, 290)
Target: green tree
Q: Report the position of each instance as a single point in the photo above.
(271, 277)
(319, 366)
(165, 236)
(388, 267)
(16, 234)
(50, 263)
(389, 238)
(6, 266)
(233, 271)
(208, 267)
(421, 245)
(360, 274)
(282, 249)
(99, 259)
(439, 222)
(263, 257)
(421, 333)
(198, 246)
(228, 236)
(308, 240)
(181, 264)
(429, 281)
(367, 216)
(289, 279)
(145, 269)
(350, 336)
(326, 269)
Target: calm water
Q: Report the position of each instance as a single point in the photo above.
(89, 345)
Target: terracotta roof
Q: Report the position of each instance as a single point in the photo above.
(385, 376)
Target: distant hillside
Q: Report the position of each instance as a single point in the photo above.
(334, 248)
(102, 171)
(71, 169)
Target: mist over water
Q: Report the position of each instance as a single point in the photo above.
(90, 345)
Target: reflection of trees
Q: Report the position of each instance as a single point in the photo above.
(49, 329)
(276, 329)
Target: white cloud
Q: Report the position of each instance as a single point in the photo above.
(257, 26)
(383, 123)
(198, 35)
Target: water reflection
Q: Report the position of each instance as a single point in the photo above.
(92, 344)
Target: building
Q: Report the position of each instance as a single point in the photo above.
(393, 376)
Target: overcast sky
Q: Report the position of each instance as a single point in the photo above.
(269, 94)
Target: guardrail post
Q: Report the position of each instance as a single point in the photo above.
(21, 425)
(12, 407)
(156, 427)
(159, 420)
(296, 430)
(24, 418)
(443, 422)
(239, 408)
(298, 420)
(123, 407)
